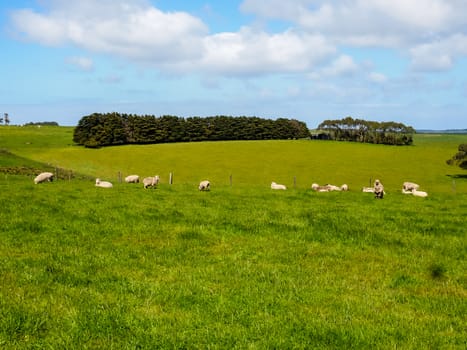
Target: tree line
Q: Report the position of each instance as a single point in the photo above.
(358, 130)
(97, 129)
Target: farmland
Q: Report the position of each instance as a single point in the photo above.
(240, 266)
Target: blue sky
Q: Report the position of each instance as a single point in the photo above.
(385, 60)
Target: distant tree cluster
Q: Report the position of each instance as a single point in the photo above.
(460, 158)
(108, 129)
(358, 130)
(5, 119)
(41, 124)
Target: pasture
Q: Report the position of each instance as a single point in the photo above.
(240, 266)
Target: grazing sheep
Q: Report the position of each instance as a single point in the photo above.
(344, 187)
(103, 184)
(204, 185)
(409, 186)
(151, 181)
(378, 189)
(275, 186)
(132, 179)
(42, 177)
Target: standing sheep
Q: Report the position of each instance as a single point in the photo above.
(42, 177)
(103, 184)
(204, 185)
(151, 181)
(132, 179)
(378, 189)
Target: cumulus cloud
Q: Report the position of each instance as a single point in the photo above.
(430, 31)
(439, 55)
(177, 41)
(250, 51)
(134, 30)
(367, 22)
(427, 30)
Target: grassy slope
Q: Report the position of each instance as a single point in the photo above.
(240, 267)
(252, 163)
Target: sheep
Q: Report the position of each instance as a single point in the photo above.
(378, 189)
(368, 189)
(42, 177)
(151, 181)
(204, 185)
(103, 184)
(329, 188)
(409, 186)
(417, 193)
(132, 179)
(275, 186)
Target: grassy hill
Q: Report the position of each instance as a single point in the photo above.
(254, 163)
(237, 267)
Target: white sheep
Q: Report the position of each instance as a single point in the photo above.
(132, 179)
(204, 185)
(368, 189)
(275, 186)
(329, 188)
(378, 189)
(151, 181)
(409, 186)
(417, 193)
(42, 177)
(103, 184)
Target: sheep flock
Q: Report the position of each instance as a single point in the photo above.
(377, 189)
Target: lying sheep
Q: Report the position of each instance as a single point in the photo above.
(151, 181)
(329, 188)
(42, 177)
(204, 185)
(275, 186)
(103, 184)
(409, 186)
(368, 189)
(417, 193)
(132, 179)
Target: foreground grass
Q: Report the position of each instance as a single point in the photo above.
(239, 267)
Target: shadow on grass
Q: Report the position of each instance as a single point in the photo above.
(457, 176)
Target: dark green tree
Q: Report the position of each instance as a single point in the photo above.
(460, 158)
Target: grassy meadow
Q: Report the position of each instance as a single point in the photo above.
(241, 266)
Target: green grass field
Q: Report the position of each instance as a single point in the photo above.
(240, 266)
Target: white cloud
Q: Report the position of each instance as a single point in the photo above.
(82, 63)
(389, 23)
(250, 51)
(439, 55)
(172, 41)
(136, 31)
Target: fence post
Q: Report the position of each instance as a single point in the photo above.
(119, 176)
(170, 178)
